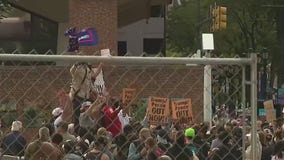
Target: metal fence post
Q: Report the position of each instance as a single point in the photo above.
(243, 108)
(253, 75)
(207, 106)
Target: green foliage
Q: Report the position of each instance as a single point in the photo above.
(182, 35)
(34, 117)
(174, 54)
(249, 25)
(8, 117)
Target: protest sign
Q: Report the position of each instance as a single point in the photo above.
(158, 110)
(269, 109)
(105, 53)
(128, 95)
(182, 111)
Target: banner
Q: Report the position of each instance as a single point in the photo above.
(105, 53)
(182, 111)
(158, 110)
(88, 37)
(269, 109)
(128, 94)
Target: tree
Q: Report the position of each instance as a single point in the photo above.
(182, 27)
(278, 57)
(249, 26)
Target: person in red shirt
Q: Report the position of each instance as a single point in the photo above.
(111, 119)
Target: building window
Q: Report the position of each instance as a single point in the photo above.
(122, 48)
(153, 46)
(157, 11)
(26, 31)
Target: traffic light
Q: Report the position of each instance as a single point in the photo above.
(222, 18)
(214, 22)
(219, 19)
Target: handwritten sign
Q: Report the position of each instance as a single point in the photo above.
(158, 110)
(128, 95)
(182, 111)
(105, 53)
(269, 109)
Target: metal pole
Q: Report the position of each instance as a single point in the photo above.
(254, 105)
(243, 110)
(117, 60)
(207, 99)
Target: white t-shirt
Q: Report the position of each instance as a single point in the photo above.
(124, 120)
(57, 121)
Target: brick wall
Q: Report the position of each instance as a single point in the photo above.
(101, 14)
(38, 86)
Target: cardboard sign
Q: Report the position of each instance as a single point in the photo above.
(105, 53)
(269, 109)
(182, 111)
(158, 110)
(128, 95)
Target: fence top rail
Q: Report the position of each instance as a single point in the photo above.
(124, 60)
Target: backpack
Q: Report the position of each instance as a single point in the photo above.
(93, 156)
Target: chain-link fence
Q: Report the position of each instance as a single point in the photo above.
(144, 107)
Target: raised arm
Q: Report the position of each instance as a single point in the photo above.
(67, 109)
(97, 71)
(95, 106)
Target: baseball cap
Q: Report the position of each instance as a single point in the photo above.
(57, 111)
(189, 132)
(86, 104)
(16, 126)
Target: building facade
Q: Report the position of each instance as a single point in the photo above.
(114, 21)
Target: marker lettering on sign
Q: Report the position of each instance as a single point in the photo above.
(158, 111)
(156, 118)
(182, 113)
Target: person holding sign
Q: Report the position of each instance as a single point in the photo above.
(158, 110)
(182, 111)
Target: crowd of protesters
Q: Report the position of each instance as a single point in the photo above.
(101, 129)
(136, 141)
